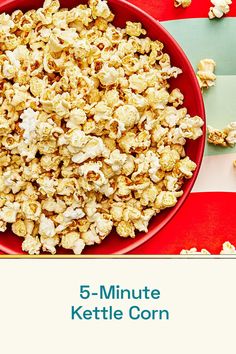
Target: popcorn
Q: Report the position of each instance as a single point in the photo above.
(31, 244)
(73, 241)
(76, 118)
(90, 237)
(9, 212)
(168, 159)
(128, 115)
(108, 75)
(91, 136)
(191, 127)
(183, 3)
(31, 210)
(134, 29)
(227, 248)
(194, 251)
(125, 229)
(176, 98)
(165, 200)
(6, 24)
(220, 8)
(29, 123)
(46, 227)
(216, 137)
(186, 166)
(49, 244)
(137, 82)
(225, 137)
(116, 160)
(205, 73)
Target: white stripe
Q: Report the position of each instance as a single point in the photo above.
(217, 174)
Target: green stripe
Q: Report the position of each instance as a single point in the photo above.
(220, 106)
(202, 38)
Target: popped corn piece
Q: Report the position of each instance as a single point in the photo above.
(142, 223)
(19, 228)
(125, 229)
(216, 137)
(9, 212)
(6, 24)
(108, 75)
(117, 211)
(176, 98)
(186, 166)
(128, 115)
(31, 244)
(165, 200)
(115, 128)
(194, 251)
(31, 210)
(37, 86)
(129, 165)
(138, 83)
(49, 243)
(90, 237)
(46, 227)
(191, 127)
(228, 248)
(103, 226)
(171, 183)
(230, 130)
(149, 195)
(92, 173)
(168, 159)
(3, 226)
(134, 29)
(29, 123)
(72, 213)
(95, 147)
(220, 8)
(116, 160)
(234, 163)
(205, 73)
(78, 246)
(47, 186)
(224, 137)
(100, 9)
(73, 241)
(66, 186)
(76, 117)
(131, 213)
(157, 99)
(183, 3)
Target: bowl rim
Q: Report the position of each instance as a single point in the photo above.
(199, 98)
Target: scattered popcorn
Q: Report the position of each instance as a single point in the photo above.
(205, 73)
(220, 8)
(227, 248)
(225, 137)
(91, 136)
(183, 3)
(194, 251)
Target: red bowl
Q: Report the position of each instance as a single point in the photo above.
(186, 82)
